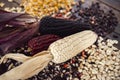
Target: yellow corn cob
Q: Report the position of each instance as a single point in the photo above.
(70, 46)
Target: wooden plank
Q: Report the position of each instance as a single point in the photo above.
(115, 4)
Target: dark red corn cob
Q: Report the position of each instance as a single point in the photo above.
(41, 43)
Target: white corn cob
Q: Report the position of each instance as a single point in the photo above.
(68, 47)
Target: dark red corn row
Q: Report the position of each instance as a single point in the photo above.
(41, 43)
(61, 27)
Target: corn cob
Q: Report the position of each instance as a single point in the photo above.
(41, 43)
(72, 45)
(59, 51)
(61, 27)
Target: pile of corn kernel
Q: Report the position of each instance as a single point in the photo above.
(42, 8)
(103, 62)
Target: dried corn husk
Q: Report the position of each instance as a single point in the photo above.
(31, 66)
